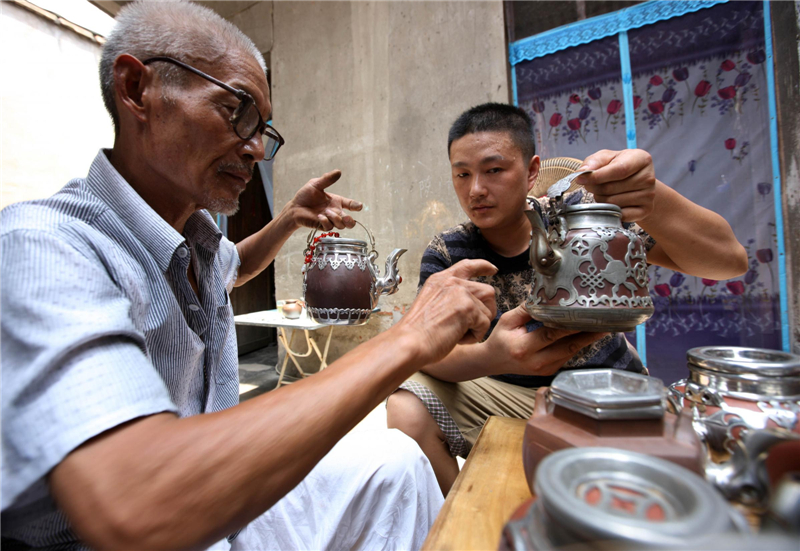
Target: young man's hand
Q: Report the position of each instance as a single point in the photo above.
(624, 178)
(539, 352)
(312, 205)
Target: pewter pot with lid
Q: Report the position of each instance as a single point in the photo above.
(341, 283)
(734, 388)
(743, 401)
(590, 272)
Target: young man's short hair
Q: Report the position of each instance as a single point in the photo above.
(496, 117)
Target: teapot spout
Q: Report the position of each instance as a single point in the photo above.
(542, 256)
(387, 284)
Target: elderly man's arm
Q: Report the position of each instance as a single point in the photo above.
(160, 482)
(689, 238)
(311, 206)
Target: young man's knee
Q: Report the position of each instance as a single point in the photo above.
(406, 412)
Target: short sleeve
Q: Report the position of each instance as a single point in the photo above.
(73, 363)
(228, 258)
(434, 260)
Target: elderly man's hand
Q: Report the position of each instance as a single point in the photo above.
(312, 205)
(539, 352)
(624, 178)
(451, 309)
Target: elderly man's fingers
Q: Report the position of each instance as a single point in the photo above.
(482, 292)
(326, 180)
(480, 323)
(324, 222)
(351, 204)
(335, 217)
(467, 269)
(348, 220)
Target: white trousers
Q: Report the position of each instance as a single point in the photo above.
(374, 490)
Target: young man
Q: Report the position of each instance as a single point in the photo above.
(121, 427)
(494, 166)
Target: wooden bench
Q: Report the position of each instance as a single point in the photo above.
(488, 490)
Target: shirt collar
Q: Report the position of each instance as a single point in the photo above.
(155, 234)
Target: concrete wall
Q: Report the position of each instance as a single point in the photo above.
(53, 119)
(371, 88)
(785, 33)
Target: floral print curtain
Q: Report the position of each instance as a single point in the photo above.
(700, 108)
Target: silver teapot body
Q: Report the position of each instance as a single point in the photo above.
(590, 273)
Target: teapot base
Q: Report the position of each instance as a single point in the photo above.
(593, 320)
(340, 316)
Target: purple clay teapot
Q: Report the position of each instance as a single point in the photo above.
(590, 273)
(341, 283)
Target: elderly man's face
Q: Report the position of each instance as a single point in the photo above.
(193, 144)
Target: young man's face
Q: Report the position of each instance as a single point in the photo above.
(491, 178)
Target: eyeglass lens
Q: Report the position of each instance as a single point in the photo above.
(248, 120)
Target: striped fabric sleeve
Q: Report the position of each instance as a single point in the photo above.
(228, 257)
(73, 363)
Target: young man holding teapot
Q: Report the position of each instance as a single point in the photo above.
(494, 167)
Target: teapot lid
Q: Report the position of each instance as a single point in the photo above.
(743, 360)
(341, 241)
(609, 394)
(604, 208)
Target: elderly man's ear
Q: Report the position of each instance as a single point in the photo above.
(132, 83)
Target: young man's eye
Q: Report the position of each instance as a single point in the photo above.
(494, 170)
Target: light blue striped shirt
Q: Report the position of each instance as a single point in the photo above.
(100, 325)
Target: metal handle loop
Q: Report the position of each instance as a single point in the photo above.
(311, 235)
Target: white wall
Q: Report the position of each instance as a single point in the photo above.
(52, 119)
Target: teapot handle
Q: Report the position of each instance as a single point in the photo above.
(310, 239)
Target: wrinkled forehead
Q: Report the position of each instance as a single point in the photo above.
(242, 71)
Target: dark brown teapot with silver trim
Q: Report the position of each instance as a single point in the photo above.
(341, 283)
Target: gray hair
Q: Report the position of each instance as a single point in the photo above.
(175, 29)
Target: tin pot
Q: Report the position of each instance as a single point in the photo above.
(744, 404)
(590, 273)
(341, 283)
(608, 498)
(734, 388)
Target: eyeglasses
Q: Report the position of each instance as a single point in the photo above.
(246, 120)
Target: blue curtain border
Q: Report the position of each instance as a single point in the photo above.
(588, 30)
(776, 180)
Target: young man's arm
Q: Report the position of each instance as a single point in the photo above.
(311, 206)
(689, 238)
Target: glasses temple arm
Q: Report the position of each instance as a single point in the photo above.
(238, 93)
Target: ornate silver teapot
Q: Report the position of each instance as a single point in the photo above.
(590, 272)
(341, 283)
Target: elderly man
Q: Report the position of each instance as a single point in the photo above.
(494, 167)
(117, 333)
